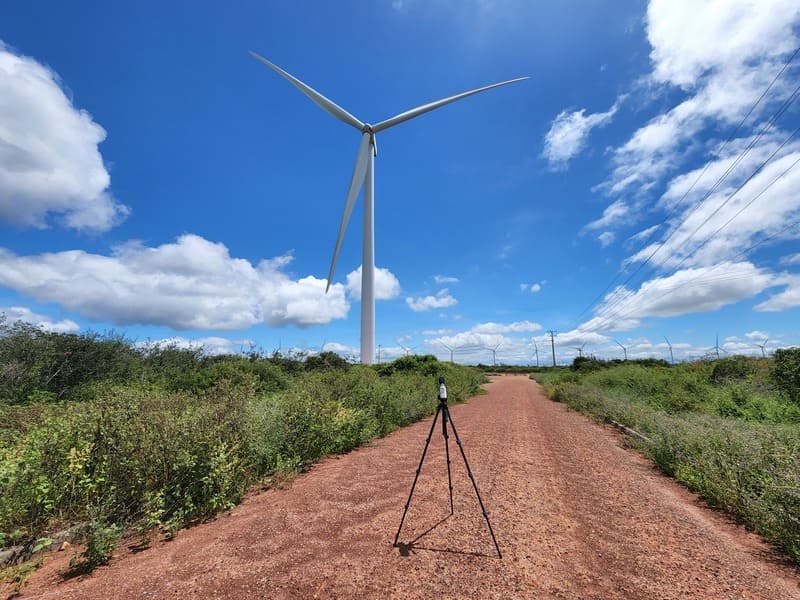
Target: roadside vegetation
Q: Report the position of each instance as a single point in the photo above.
(728, 429)
(113, 438)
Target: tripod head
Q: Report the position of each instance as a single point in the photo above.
(442, 390)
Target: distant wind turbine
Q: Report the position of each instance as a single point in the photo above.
(624, 349)
(763, 348)
(363, 175)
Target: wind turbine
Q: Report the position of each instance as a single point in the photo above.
(494, 353)
(363, 175)
(763, 348)
(671, 357)
(536, 348)
(451, 349)
(624, 349)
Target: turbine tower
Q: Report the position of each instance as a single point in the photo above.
(364, 175)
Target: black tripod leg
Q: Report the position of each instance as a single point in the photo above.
(447, 455)
(446, 417)
(419, 468)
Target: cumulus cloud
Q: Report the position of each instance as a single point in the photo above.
(694, 290)
(690, 38)
(476, 344)
(788, 298)
(568, 133)
(712, 231)
(756, 336)
(533, 288)
(387, 287)
(442, 299)
(722, 55)
(50, 163)
(189, 284)
(14, 314)
(615, 213)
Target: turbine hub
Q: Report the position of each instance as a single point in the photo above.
(367, 129)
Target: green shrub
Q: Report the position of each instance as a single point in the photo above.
(733, 368)
(786, 372)
(189, 435)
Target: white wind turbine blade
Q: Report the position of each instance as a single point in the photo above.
(415, 112)
(359, 172)
(327, 105)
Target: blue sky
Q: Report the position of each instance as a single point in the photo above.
(156, 180)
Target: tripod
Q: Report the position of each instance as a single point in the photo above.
(446, 418)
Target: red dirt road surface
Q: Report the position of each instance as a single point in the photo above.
(576, 516)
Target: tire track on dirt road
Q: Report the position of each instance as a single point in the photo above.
(576, 516)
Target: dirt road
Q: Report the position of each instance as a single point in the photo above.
(576, 516)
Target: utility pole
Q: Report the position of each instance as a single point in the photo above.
(553, 344)
(716, 345)
(671, 358)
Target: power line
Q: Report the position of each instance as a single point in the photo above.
(676, 206)
(725, 202)
(699, 279)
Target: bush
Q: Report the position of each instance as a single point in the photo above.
(786, 372)
(187, 439)
(733, 368)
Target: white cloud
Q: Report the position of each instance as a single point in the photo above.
(691, 37)
(345, 351)
(756, 336)
(788, 298)
(792, 259)
(516, 327)
(766, 204)
(533, 288)
(701, 289)
(475, 344)
(615, 213)
(643, 235)
(190, 284)
(210, 345)
(722, 55)
(575, 337)
(387, 287)
(442, 299)
(568, 133)
(441, 279)
(50, 163)
(437, 332)
(14, 314)
(606, 238)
